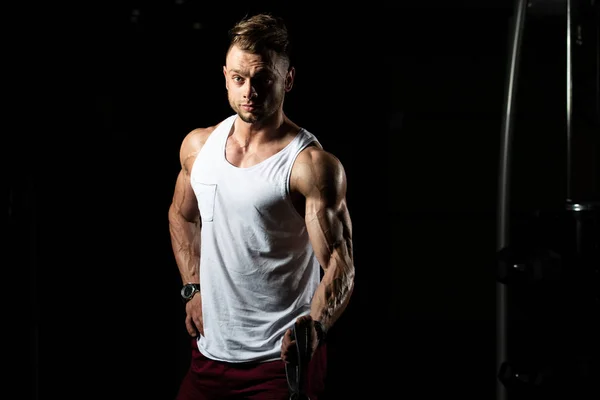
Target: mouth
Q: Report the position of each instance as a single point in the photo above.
(249, 107)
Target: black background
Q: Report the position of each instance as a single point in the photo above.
(410, 98)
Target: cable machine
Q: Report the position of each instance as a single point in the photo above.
(548, 267)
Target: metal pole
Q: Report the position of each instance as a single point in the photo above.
(503, 212)
(569, 101)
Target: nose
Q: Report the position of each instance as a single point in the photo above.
(250, 91)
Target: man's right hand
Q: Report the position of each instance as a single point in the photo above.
(194, 323)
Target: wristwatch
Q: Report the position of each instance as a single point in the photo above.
(189, 290)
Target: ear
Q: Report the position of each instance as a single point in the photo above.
(225, 74)
(289, 79)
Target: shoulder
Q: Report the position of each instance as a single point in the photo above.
(195, 139)
(316, 169)
(192, 144)
(323, 160)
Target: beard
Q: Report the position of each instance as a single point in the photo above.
(262, 113)
(252, 117)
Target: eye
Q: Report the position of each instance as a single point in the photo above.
(237, 78)
(264, 80)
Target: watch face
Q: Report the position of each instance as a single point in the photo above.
(187, 291)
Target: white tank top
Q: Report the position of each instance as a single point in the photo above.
(258, 271)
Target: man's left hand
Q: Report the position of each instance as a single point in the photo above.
(289, 353)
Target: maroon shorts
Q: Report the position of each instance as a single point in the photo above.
(210, 379)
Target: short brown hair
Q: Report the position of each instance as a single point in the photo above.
(261, 34)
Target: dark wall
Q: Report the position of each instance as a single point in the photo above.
(410, 99)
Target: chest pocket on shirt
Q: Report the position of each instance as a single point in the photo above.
(206, 193)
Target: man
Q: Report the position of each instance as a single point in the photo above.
(258, 212)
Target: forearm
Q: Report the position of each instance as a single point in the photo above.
(333, 293)
(185, 241)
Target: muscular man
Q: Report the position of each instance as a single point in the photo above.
(258, 212)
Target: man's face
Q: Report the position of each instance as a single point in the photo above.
(256, 84)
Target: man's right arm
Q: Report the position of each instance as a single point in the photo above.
(184, 216)
(184, 222)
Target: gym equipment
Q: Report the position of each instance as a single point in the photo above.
(296, 372)
(548, 290)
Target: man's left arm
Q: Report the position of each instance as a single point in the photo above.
(322, 181)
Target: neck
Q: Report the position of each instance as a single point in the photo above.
(263, 131)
